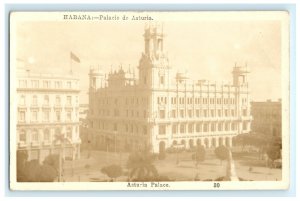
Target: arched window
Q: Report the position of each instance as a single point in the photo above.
(22, 100)
(34, 100)
(46, 135)
(35, 136)
(22, 136)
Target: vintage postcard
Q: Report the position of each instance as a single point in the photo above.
(149, 100)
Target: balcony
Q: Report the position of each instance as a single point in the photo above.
(47, 143)
(22, 145)
(35, 144)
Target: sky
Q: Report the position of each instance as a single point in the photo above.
(205, 49)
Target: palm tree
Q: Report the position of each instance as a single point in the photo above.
(141, 166)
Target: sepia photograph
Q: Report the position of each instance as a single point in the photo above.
(149, 100)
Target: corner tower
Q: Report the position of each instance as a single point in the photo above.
(154, 65)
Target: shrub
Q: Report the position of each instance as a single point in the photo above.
(112, 171)
(221, 153)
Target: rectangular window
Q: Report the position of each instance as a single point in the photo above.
(34, 100)
(57, 115)
(212, 113)
(198, 113)
(219, 113)
(46, 84)
(22, 83)
(46, 115)
(174, 129)
(213, 127)
(35, 83)
(226, 113)
(190, 113)
(197, 128)
(57, 100)
(46, 135)
(69, 132)
(182, 128)
(233, 126)
(220, 127)
(69, 116)
(205, 127)
(162, 114)
(69, 85)
(57, 84)
(69, 100)
(34, 116)
(21, 116)
(205, 113)
(244, 125)
(244, 112)
(162, 129)
(22, 100)
(232, 113)
(227, 127)
(182, 113)
(162, 80)
(34, 136)
(191, 128)
(22, 136)
(173, 113)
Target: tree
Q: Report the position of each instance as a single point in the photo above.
(112, 171)
(21, 162)
(33, 171)
(221, 153)
(274, 150)
(141, 166)
(53, 161)
(199, 154)
(47, 173)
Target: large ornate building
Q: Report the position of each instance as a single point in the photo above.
(161, 109)
(47, 115)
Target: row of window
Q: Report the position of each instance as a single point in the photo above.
(173, 114)
(199, 127)
(35, 115)
(201, 113)
(176, 128)
(34, 100)
(127, 128)
(164, 100)
(198, 100)
(127, 101)
(46, 84)
(33, 135)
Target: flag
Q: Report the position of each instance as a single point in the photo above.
(74, 57)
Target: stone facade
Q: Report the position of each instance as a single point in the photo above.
(47, 108)
(161, 108)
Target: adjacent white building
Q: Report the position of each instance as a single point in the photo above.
(161, 109)
(47, 109)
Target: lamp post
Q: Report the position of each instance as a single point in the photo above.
(61, 138)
